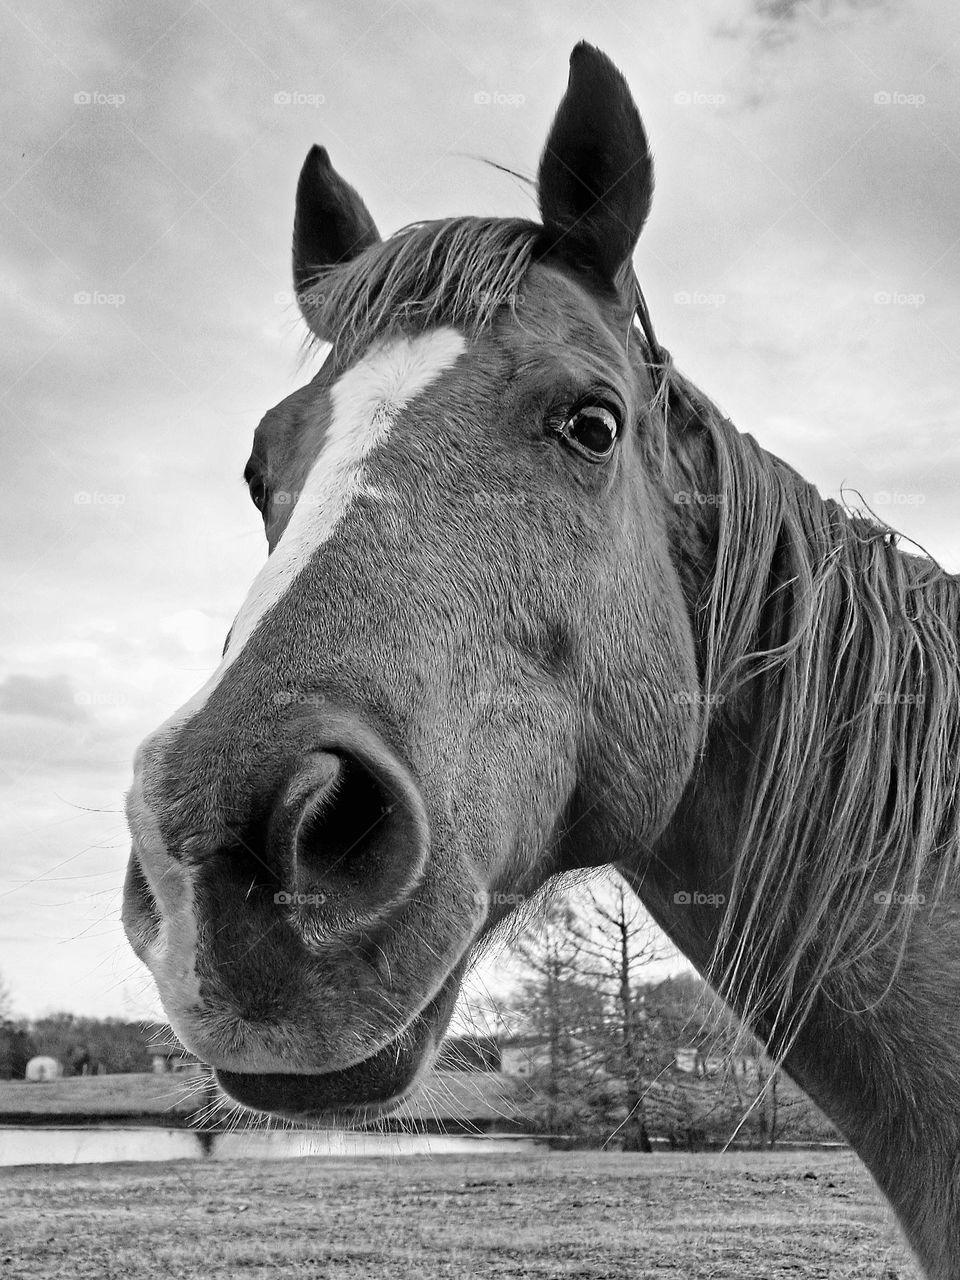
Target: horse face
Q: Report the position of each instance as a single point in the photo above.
(465, 665)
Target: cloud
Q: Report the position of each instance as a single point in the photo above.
(46, 697)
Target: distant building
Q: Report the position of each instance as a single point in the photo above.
(173, 1059)
(690, 1060)
(744, 1066)
(524, 1055)
(42, 1069)
(529, 1055)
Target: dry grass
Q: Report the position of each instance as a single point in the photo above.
(108, 1095)
(580, 1217)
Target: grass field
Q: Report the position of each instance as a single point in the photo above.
(577, 1216)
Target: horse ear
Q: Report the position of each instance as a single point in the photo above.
(596, 173)
(331, 224)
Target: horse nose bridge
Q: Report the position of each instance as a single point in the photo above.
(183, 794)
(208, 775)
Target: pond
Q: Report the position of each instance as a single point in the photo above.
(21, 1145)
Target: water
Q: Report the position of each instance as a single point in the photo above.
(85, 1145)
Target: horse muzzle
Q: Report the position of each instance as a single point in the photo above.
(283, 894)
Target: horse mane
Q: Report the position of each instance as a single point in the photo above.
(846, 649)
(456, 271)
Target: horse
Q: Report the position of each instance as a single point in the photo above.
(533, 606)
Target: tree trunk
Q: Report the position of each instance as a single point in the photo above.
(635, 1136)
(774, 1109)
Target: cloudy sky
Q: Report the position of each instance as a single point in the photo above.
(802, 262)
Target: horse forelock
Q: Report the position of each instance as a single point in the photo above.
(848, 650)
(456, 271)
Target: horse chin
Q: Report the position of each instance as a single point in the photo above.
(367, 1091)
(360, 1094)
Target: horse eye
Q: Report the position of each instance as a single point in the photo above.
(258, 492)
(592, 431)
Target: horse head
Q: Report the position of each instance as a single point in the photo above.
(467, 663)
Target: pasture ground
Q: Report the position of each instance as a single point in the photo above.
(582, 1216)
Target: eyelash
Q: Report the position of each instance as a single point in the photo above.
(258, 493)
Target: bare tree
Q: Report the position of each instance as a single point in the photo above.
(6, 1000)
(550, 1003)
(615, 943)
(609, 1038)
(767, 1100)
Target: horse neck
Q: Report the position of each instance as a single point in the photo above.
(868, 1002)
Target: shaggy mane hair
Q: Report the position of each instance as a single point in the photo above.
(848, 651)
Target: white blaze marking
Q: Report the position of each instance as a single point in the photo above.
(366, 402)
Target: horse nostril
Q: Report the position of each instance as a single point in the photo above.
(140, 914)
(355, 841)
